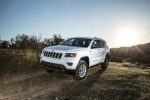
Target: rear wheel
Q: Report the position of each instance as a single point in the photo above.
(81, 70)
(105, 64)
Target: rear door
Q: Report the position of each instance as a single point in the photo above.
(102, 50)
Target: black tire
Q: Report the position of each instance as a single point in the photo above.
(81, 70)
(105, 64)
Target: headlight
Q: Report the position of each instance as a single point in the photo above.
(70, 54)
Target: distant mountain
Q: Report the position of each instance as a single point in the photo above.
(138, 53)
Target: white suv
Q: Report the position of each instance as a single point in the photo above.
(76, 55)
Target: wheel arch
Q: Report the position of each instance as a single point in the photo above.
(108, 56)
(86, 59)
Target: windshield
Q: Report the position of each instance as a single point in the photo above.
(81, 42)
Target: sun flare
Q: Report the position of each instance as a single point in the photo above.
(127, 37)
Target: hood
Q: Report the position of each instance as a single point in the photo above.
(65, 48)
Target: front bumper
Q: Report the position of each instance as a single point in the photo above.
(59, 67)
(60, 64)
(53, 66)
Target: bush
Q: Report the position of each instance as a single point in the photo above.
(14, 61)
(30, 57)
(116, 59)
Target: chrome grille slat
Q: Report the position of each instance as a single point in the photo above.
(53, 54)
(60, 55)
(56, 55)
(46, 53)
(49, 54)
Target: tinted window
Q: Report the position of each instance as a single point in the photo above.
(95, 44)
(98, 44)
(102, 44)
(81, 42)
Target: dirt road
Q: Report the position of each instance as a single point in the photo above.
(118, 82)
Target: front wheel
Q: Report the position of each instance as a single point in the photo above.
(105, 64)
(81, 70)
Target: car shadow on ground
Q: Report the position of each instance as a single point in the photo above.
(76, 89)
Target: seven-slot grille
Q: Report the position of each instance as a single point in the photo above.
(53, 54)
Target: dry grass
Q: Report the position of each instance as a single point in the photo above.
(23, 78)
(15, 61)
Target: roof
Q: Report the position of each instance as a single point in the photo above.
(88, 38)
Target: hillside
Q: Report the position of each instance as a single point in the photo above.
(138, 53)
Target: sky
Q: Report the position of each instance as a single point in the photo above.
(70, 18)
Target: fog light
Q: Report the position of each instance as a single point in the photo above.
(69, 63)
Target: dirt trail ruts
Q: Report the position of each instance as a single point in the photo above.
(116, 82)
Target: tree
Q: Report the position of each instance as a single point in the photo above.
(34, 44)
(47, 42)
(22, 41)
(5, 44)
(57, 39)
(13, 43)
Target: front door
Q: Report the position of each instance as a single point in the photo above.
(97, 53)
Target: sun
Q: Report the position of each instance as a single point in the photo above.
(127, 37)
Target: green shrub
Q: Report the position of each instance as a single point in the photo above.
(29, 58)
